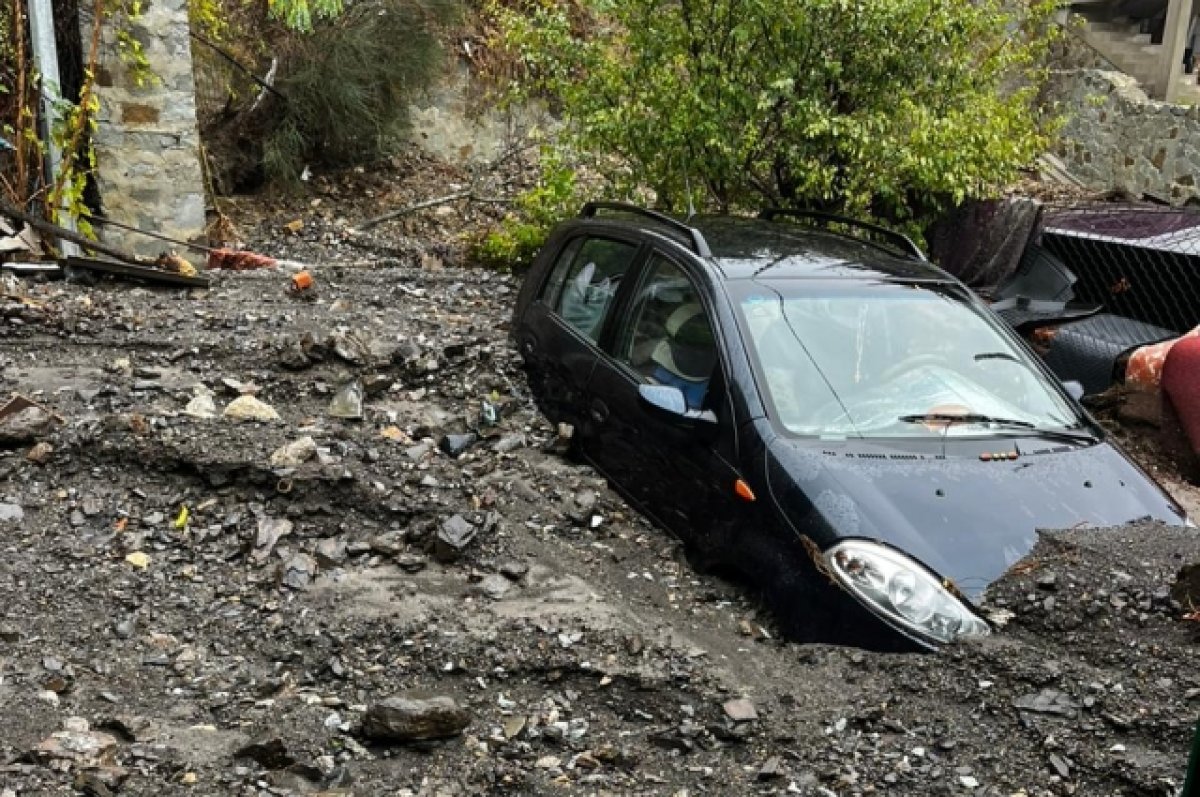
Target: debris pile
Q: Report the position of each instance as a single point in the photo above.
(259, 546)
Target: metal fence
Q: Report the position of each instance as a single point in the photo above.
(1138, 261)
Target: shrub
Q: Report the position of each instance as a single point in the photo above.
(348, 83)
(895, 108)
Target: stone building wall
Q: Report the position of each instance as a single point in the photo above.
(147, 143)
(1116, 138)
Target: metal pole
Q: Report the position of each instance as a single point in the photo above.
(45, 58)
(1179, 15)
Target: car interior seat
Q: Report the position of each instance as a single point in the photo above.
(688, 354)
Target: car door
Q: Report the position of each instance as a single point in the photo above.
(559, 332)
(674, 469)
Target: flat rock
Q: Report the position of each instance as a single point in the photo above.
(248, 408)
(740, 710)
(11, 513)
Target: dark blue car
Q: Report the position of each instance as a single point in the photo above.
(807, 401)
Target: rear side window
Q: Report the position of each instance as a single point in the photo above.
(669, 339)
(584, 282)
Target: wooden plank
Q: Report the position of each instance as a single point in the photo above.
(136, 272)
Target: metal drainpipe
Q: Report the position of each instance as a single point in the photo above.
(45, 58)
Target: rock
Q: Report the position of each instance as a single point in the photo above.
(454, 445)
(390, 543)
(270, 530)
(40, 453)
(514, 571)
(408, 719)
(77, 745)
(268, 753)
(331, 551)
(347, 402)
(510, 442)
(772, 768)
(740, 710)
(352, 347)
(11, 513)
(294, 454)
(494, 586)
(248, 408)
(1047, 701)
(1061, 767)
(298, 571)
(411, 562)
(25, 427)
(453, 536)
(1048, 581)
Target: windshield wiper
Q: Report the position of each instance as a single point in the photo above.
(1067, 435)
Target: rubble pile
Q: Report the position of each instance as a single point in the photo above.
(259, 543)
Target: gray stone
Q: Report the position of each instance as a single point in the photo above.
(331, 551)
(1047, 701)
(453, 536)
(11, 513)
(294, 454)
(740, 710)
(298, 571)
(25, 426)
(494, 586)
(409, 719)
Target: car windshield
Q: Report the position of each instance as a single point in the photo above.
(893, 360)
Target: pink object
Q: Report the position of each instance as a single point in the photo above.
(1181, 386)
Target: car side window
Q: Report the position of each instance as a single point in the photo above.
(669, 338)
(585, 287)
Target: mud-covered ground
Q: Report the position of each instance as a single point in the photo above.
(236, 649)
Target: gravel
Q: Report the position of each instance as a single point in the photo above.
(419, 601)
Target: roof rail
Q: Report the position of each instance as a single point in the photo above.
(903, 242)
(699, 245)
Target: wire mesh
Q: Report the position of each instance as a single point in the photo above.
(1137, 261)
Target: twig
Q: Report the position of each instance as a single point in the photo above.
(238, 64)
(404, 211)
(185, 244)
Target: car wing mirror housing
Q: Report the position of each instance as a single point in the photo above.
(667, 403)
(1074, 389)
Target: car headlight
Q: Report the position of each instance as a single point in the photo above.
(903, 592)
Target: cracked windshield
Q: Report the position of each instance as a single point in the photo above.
(896, 361)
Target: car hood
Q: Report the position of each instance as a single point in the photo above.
(967, 519)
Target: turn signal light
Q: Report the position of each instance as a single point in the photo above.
(743, 490)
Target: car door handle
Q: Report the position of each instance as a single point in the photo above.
(599, 411)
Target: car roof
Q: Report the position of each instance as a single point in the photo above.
(744, 248)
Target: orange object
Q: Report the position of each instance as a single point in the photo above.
(239, 260)
(301, 281)
(743, 490)
(1146, 364)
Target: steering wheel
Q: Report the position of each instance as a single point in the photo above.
(908, 363)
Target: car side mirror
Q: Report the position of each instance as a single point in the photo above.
(1074, 389)
(666, 402)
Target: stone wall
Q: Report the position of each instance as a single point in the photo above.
(147, 144)
(457, 121)
(1118, 139)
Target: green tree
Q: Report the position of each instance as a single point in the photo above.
(893, 108)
